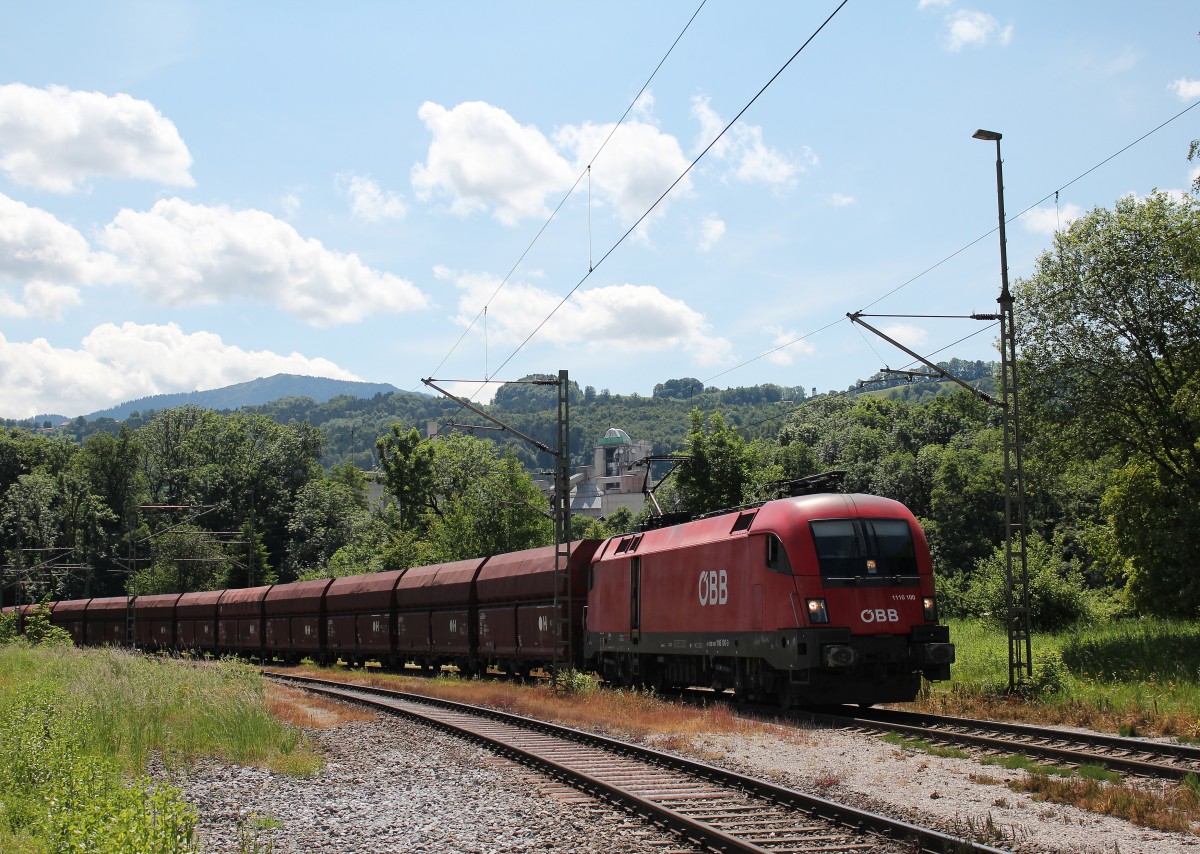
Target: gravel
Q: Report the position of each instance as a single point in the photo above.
(393, 785)
(959, 796)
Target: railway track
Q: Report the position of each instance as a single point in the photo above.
(710, 808)
(1138, 757)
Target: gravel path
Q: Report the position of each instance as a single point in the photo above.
(391, 785)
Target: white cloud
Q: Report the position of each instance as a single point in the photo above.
(474, 391)
(482, 159)
(120, 363)
(636, 166)
(184, 254)
(1124, 61)
(926, 4)
(968, 27)
(841, 200)
(786, 339)
(290, 202)
(367, 201)
(1185, 89)
(906, 334)
(1047, 220)
(743, 147)
(56, 139)
(47, 258)
(711, 232)
(631, 318)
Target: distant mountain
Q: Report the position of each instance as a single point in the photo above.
(253, 393)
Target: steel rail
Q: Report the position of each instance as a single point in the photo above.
(1113, 752)
(890, 831)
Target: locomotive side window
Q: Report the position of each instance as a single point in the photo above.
(777, 558)
(864, 548)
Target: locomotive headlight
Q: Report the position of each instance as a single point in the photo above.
(817, 613)
(930, 605)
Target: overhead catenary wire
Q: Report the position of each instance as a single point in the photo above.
(828, 326)
(587, 172)
(1022, 213)
(958, 251)
(592, 267)
(654, 205)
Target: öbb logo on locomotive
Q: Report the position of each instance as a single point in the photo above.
(714, 587)
(879, 615)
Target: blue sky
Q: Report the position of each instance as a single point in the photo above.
(197, 194)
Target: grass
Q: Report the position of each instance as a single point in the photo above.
(632, 713)
(77, 728)
(920, 744)
(1128, 677)
(1173, 808)
(1135, 677)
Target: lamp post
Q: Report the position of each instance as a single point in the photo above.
(1020, 654)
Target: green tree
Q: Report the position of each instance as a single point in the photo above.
(1153, 524)
(53, 528)
(185, 559)
(406, 461)
(244, 468)
(1110, 333)
(112, 466)
(1058, 596)
(499, 511)
(684, 387)
(1111, 369)
(717, 474)
(326, 516)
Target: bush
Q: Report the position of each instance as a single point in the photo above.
(1058, 596)
(51, 790)
(8, 627)
(572, 681)
(39, 629)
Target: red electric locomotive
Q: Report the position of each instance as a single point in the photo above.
(824, 598)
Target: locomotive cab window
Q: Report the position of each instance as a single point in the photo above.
(864, 548)
(777, 558)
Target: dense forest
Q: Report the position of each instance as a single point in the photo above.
(1109, 337)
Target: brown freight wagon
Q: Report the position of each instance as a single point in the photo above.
(154, 621)
(109, 621)
(440, 597)
(519, 627)
(70, 617)
(196, 620)
(295, 619)
(360, 617)
(240, 619)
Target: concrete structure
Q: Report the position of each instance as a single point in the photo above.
(611, 481)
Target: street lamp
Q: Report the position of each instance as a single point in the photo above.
(1020, 653)
(991, 135)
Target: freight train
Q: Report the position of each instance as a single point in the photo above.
(816, 599)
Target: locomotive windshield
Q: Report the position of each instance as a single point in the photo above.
(864, 548)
